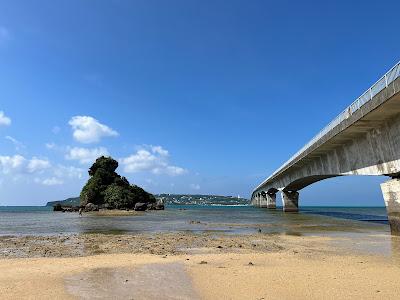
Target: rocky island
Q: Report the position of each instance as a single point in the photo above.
(106, 189)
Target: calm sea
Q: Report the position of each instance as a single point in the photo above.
(227, 219)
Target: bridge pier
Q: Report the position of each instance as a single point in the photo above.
(258, 199)
(391, 195)
(255, 200)
(271, 200)
(290, 200)
(263, 200)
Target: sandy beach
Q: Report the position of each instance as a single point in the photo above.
(194, 266)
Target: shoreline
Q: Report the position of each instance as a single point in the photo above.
(180, 243)
(194, 266)
(304, 260)
(87, 244)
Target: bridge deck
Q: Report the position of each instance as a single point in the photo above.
(359, 111)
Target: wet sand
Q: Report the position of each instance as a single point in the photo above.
(165, 243)
(148, 281)
(195, 266)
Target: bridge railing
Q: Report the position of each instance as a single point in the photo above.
(367, 96)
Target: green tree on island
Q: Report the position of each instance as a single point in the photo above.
(105, 186)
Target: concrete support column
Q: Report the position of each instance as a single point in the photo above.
(391, 195)
(271, 201)
(256, 202)
(263, 200)
(290, 200)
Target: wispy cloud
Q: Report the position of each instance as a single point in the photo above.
(69, 172)
(50, 181)
(9, 164)
(41, 171)
(86, 155)
(195, 186)
(17, 144)
(152, 159)
(37, 165)
(88, 130)
(18, 164)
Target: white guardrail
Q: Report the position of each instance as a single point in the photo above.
(382, 83)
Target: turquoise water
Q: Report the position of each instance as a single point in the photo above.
(227, 219)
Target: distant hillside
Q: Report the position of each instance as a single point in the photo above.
(67, 202)
(202, 199)
(175, 199)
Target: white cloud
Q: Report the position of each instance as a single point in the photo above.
(17, 144)
(4, 120)
(58, 174)
(51, 181)
(88, 130)
(195, 186)
(57, 148)
(159, 150)
(37, 165)
(86, 155)
(170, 170)
(37, 170)
(69, 172)
(10, 164)
(18, 164)
(152, 159)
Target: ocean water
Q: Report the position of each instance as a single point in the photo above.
(193, 218)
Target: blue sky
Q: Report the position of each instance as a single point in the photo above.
(189, 96)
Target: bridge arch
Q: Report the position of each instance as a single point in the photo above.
(363, 140)
(301, 183)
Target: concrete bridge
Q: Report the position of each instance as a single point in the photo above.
(363, 140)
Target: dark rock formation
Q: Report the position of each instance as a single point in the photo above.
(140, 206)
(106, 187)
(57, 207)
(91, 207)
(151, 206)
(160, 205)
(68, 208)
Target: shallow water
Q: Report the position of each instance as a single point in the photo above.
(193, 218)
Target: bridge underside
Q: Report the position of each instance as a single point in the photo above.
(366, 143)
(303, 182)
